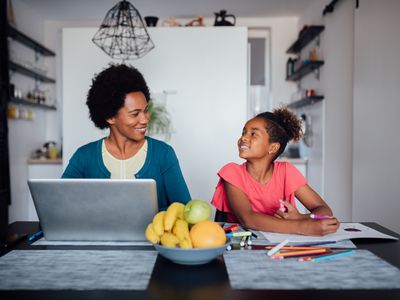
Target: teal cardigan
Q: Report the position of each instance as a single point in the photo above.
(161, 164)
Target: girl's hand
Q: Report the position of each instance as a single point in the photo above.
(288, 211)
(319, 227)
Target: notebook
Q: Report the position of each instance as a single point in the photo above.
(94, 209)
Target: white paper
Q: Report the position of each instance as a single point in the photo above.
(343, 233)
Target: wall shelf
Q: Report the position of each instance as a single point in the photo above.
(30, 73)
(30, 103)
(27, 41)
(306, 101)
(305, 38)
(305, 69)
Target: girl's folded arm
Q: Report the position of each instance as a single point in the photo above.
(241, 207)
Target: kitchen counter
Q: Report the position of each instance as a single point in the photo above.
(45, 161)
(295, 161)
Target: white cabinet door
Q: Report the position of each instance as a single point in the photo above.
(206, 68)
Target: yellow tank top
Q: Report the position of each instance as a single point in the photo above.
(125, 168)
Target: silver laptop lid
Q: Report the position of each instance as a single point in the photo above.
(94, 209)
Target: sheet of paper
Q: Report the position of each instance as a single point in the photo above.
(346, 231)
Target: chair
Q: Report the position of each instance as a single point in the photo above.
(220, 216)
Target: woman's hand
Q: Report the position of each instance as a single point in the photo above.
(319, 227)
(288, 211)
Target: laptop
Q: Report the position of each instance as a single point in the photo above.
(94, 209)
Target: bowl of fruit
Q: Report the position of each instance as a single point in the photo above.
(185, 235)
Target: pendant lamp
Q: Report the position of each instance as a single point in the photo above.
(123, 34)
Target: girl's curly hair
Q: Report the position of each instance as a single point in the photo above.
(109, 89)
(282, 126)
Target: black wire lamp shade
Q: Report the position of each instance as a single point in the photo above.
(123, 34)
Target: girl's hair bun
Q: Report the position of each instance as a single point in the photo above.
(290, 122)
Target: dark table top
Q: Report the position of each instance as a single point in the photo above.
(209, 281)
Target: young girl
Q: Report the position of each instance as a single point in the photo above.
(260, 193)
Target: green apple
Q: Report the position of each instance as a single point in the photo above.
(196, 211)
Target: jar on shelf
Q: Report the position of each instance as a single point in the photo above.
(12, 111)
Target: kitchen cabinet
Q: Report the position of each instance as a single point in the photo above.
(305, 66)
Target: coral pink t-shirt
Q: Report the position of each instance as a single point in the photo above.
(264, 198)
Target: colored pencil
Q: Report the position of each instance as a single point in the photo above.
(300, 253)
(333, 255)
(297, 247)
(308, 258)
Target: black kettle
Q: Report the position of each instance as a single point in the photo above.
(220, 19)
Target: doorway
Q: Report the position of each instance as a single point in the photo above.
(259, 44)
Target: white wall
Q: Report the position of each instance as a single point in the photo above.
(330, 167)
(207, 69)
(376, 162)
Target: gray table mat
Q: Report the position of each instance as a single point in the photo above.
(76, 269)
(362, 270)
(44, 242)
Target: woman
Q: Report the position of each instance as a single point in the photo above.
(118, 100)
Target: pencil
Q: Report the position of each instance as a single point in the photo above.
(308, 258)
(300, 252)
(333, 255)
(297, 248)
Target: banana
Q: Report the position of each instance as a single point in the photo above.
(181, 230)
(151, 235)
(169, 239)
(158, 223)
(186, 243)
(174, 211)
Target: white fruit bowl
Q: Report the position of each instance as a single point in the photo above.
(195, 256)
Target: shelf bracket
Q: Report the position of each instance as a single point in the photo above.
(317, 40)
(37, 56)
(316, 71)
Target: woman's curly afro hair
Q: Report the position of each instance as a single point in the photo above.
(282, 126)
(109, 89)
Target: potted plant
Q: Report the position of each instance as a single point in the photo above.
(160, 122)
